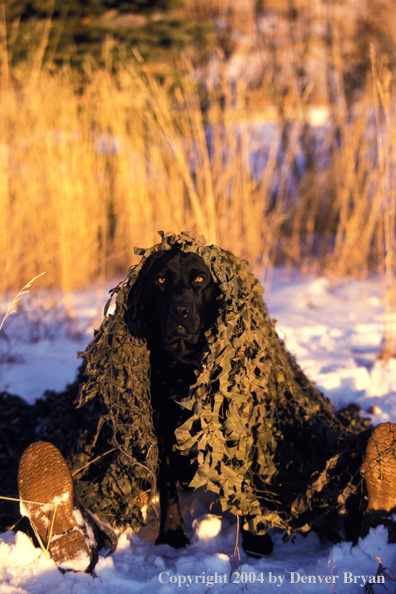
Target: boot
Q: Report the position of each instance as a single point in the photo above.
(65, 530)
(379, 469)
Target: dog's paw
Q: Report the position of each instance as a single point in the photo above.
(175, 538)
(255, 545)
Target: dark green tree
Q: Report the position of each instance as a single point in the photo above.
(80, 27)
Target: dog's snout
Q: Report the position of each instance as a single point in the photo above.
(180, 310)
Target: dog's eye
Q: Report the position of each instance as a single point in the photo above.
(161, 280)
(199, 279)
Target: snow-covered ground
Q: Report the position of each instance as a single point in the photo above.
(336, 334)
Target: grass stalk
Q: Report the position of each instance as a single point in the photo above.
(94, 163)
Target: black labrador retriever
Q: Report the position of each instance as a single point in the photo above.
(178, 301)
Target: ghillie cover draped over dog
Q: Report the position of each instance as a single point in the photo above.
(266, 440)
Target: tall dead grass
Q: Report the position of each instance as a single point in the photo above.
(88, 171)
(93, 164)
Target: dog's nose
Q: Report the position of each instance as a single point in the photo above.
(180, 309)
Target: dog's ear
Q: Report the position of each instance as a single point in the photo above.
(134, 301)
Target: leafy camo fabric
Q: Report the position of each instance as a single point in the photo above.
(266, 440)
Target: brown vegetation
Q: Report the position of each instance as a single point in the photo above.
(92, 164)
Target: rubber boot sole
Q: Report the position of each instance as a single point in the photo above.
(47, 498)
(379, 470)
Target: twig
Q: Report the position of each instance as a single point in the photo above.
(382, 571)
(16, 524)
(52, 527)
(23, 291)
(43, 548)
(26, 501)
(236, 549)
(92, 461)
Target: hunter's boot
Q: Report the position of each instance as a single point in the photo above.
(379, 470)
(65, 530)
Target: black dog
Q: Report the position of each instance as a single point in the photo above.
(178, 301)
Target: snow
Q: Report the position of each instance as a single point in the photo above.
(60, 499)
(335, 331)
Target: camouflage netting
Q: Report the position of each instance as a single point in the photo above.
(266, 440)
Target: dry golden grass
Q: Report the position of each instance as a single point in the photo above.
(88, 172)
(94, 164)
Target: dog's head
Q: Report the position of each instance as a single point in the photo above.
(177, 301)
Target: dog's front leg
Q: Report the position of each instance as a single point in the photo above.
(171, 524)
(256, 545)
